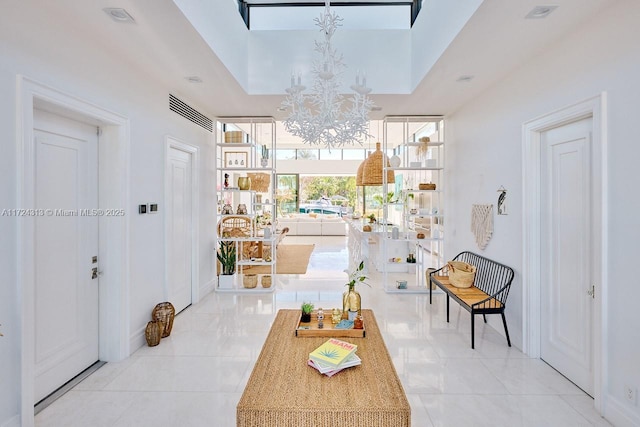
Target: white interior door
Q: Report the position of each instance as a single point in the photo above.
(180, 235)
(566, 251)
(66, 239)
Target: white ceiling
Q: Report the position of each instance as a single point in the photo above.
(494, 43)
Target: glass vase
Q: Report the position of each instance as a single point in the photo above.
(351, 304)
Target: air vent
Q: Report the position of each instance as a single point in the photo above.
(189, 113)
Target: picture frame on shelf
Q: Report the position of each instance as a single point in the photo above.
(236, 159)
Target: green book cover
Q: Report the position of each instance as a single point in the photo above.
(333, 352)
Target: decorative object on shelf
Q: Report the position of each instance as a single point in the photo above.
(420, 236)
(244, 183)
(234, 226)
(351, 301)
(411, 258)
(227, 209)
(264, 156)
(260, 181)
(482, 224)
(502, 201)
(395, 161)
(372, 218)
(233, 136)
(266, 253)
(320, 317)
(415, 165)
(413, 211)
(250, 281)
(236, 159)
(242, 209)
(395, 233)
(366, 228)
(227, 257)
(226, 180)
(164, 313)
(153, 333)
(336, 316)
(461, 274)
(372, 173)
(427, 186)
(327, 122)
(423, 148)
(265, 281)
(307, 308)
(258, 199)
(401, 284)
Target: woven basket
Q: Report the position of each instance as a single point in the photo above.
(461, 274)
(250, 281)
(234, 226)
(372, 169)
(266, 281)
(260, 181)
(361, 170)
(153, 333)
(427, 186)
(164, 312)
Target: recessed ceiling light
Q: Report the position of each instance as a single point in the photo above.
(193, 79)
(281, 109)
(464, 79)
(540, 12)
(118, 14)
(376, 108)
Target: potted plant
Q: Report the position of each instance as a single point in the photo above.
(351, 301)
(307, 308)
(227, 257)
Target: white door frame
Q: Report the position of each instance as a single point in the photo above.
(596, 108)
(113, 253)
(172, 142)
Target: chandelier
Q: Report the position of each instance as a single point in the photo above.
(320, 117)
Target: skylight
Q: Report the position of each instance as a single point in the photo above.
(370, 17)
(265, 15)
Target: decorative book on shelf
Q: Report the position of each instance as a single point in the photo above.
(333, 352)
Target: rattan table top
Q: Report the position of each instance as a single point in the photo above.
(284, 391)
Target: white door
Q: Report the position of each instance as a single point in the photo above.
(66, 239)
(179, 228)
(566, 251)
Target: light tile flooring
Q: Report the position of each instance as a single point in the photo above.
(196, 376)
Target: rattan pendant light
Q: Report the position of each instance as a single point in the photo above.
(372, 172)
(361, 170)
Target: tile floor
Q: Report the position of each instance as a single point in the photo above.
(196, 376)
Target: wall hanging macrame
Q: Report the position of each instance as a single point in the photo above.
(482, 224)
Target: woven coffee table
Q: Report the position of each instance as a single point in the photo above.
(284, 391)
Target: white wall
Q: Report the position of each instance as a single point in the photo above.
(485, 152)
(76, 64)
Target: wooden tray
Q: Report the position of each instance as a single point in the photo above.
(311, 329)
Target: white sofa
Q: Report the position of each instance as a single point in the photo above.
(313, 224)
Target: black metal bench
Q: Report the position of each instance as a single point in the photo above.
(489, 292)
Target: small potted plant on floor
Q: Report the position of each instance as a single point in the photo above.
(227, 257)
(307, 308)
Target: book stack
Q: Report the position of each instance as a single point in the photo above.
(333, 356)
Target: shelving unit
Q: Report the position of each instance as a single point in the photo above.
(240, 145)
(417, 213)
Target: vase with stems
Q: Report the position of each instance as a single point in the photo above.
(351, 300)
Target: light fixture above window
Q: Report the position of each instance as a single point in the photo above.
(320, 118)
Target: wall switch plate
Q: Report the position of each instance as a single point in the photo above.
(142, 209)
(153, 208)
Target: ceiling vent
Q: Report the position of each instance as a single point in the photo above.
(189, 113)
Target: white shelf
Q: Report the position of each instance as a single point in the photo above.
(430, 144)
(421, 168)
(237, 144)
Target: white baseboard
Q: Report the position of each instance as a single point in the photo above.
(137, 340)
(12, 422)
(619, 414)
(208, 287)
